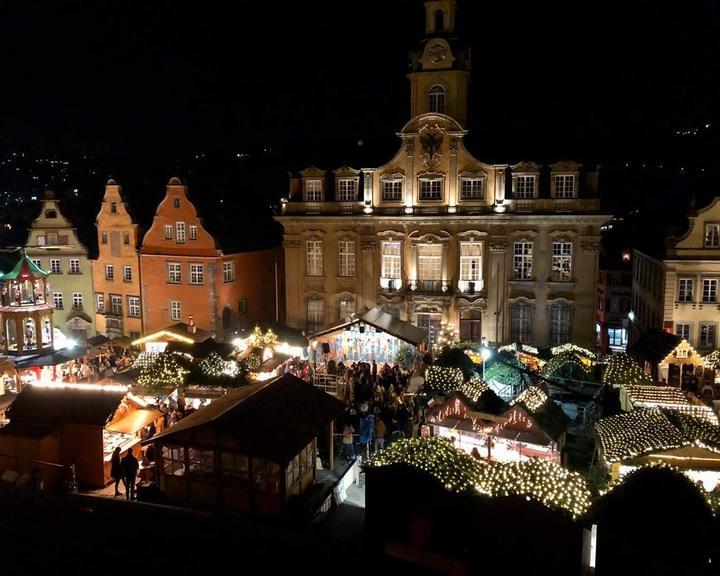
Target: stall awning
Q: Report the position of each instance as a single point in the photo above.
(136, 420)
(53, 359)
(386, 323)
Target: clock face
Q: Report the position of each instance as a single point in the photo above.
(437, 53)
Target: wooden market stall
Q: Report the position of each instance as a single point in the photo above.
(54, 427)
(248, 451)
(682, 367)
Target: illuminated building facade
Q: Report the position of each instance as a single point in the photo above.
(501, 252)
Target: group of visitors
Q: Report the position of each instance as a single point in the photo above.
(98, 368)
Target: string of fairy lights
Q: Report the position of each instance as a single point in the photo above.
(644, 393)
(442, 379)
(474, 388)
(648, 430)
(622, 369)
(214, 365)
(539, 480)
(568, 347)
(532, 398)
(165, 371)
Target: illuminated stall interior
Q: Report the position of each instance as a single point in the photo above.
(186, 333)
(376, 335)
(681, 366)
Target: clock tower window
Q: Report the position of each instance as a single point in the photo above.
(436, 99)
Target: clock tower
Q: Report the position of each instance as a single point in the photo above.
(441, 68)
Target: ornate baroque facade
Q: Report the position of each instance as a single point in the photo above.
(499, 251)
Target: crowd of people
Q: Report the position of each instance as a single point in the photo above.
(103, 366)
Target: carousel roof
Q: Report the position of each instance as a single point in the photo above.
(25, 269)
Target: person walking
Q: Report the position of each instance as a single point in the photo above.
(116, 472)
(130, 467)
(348, 442)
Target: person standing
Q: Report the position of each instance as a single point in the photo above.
(116, 472)
(130, 467)
(348, 442)
(380, 432)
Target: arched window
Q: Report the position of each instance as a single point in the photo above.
(439, 21)
(436, 99)
(50, 214)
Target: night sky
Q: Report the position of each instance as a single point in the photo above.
(160, 88)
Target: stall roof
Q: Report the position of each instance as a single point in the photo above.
(272, 363)
(41, 406)
(136, 420)
(180, 331)
(201, 349)
(386, 323)
(51, 359)
(273, 419)
(98, 340)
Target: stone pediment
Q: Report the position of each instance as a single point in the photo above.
(525, 166)
(346, 172)
(565, 166)
(312, 172)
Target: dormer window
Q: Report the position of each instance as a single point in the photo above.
(431, 189)
(113, 207)
(347, 189)
(524, 185)
(712, 235)
(564, 186)
(472, 187)
(176, 202)
(313, 190)
(392, 189)
(50, 213)
(436, 99)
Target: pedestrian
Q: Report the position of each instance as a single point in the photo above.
(116, 472)
(380, 432)
(130, 467)
(348, 442)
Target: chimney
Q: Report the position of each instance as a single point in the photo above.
(191, 325)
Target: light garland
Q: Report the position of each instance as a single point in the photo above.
(444, 380)
(712, 360)
(165, 372)
(563, 348)
(539, 480)
(562, 362)
(644, 395)
(651, 430)
(474, 388)
(532, 399)
(145, 359)
(621, 369)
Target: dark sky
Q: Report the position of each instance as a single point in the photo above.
(146, 85)
(165, 78)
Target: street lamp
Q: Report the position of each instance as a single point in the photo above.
(485, 353)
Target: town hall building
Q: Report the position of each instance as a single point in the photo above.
(501, 252)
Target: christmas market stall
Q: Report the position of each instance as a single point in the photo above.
(376, 335)
(677, 437)
(249, 451)
(637, 396)
(53, 427)
(186, 333)
(682, 367)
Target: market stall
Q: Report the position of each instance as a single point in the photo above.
(376, 336)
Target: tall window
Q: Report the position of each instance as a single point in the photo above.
(683, 331)
(472, 188)
(74, 266)
(197, 273)
(521, 322)
(617, 337)
(103, 237)
(564, 185)
(712, 235)
(174, 276)
(470, 261)
(431, 323)
(58, 300)
(176, 202)
(315, 314)
(55, 266)
(100, 303)
(180, 232)
(346, 307)
(193, 232)
(113, 207)
(347, 257)
(710, 289)
(134, 306)
(524, 186)
(175, 310)
(313, 190)
(168, 232)
(77, 301)
(391, 260)
(559, 324)
(116, 304)
(127, 273)
(522, 260)
(429, 262)
(707, 335)
(685, 290)
(392, 190)
(109, 272)
(228, 271)
(431, 188)
(347, 190)
(126, 237)
(314, 257)
(436, 99)
(562, 261)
